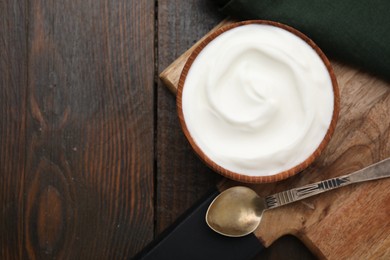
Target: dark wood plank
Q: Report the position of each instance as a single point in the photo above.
(181, 177)
(89, 180)
(13, 83)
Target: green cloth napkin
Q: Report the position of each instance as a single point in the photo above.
(357, 32)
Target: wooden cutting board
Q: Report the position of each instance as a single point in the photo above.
(352, 222)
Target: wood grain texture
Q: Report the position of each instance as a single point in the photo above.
(331, 224)
(77, 118)
(13, 83)
(76, 158)
(181, 177)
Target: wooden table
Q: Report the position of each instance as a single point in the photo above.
(93, 163)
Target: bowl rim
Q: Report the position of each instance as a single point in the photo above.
(238, 176)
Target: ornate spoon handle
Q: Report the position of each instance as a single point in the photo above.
(376, 171)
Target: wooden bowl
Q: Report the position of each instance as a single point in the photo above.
(246, 178)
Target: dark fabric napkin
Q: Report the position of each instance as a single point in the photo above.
(354, 31)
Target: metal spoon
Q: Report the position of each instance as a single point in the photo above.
(237, 211)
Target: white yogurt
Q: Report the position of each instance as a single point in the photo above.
(258, 100)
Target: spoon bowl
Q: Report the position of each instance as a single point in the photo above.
(236, 212)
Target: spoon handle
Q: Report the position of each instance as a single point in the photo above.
(376, 171)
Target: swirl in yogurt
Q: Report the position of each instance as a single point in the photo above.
(258, 100)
